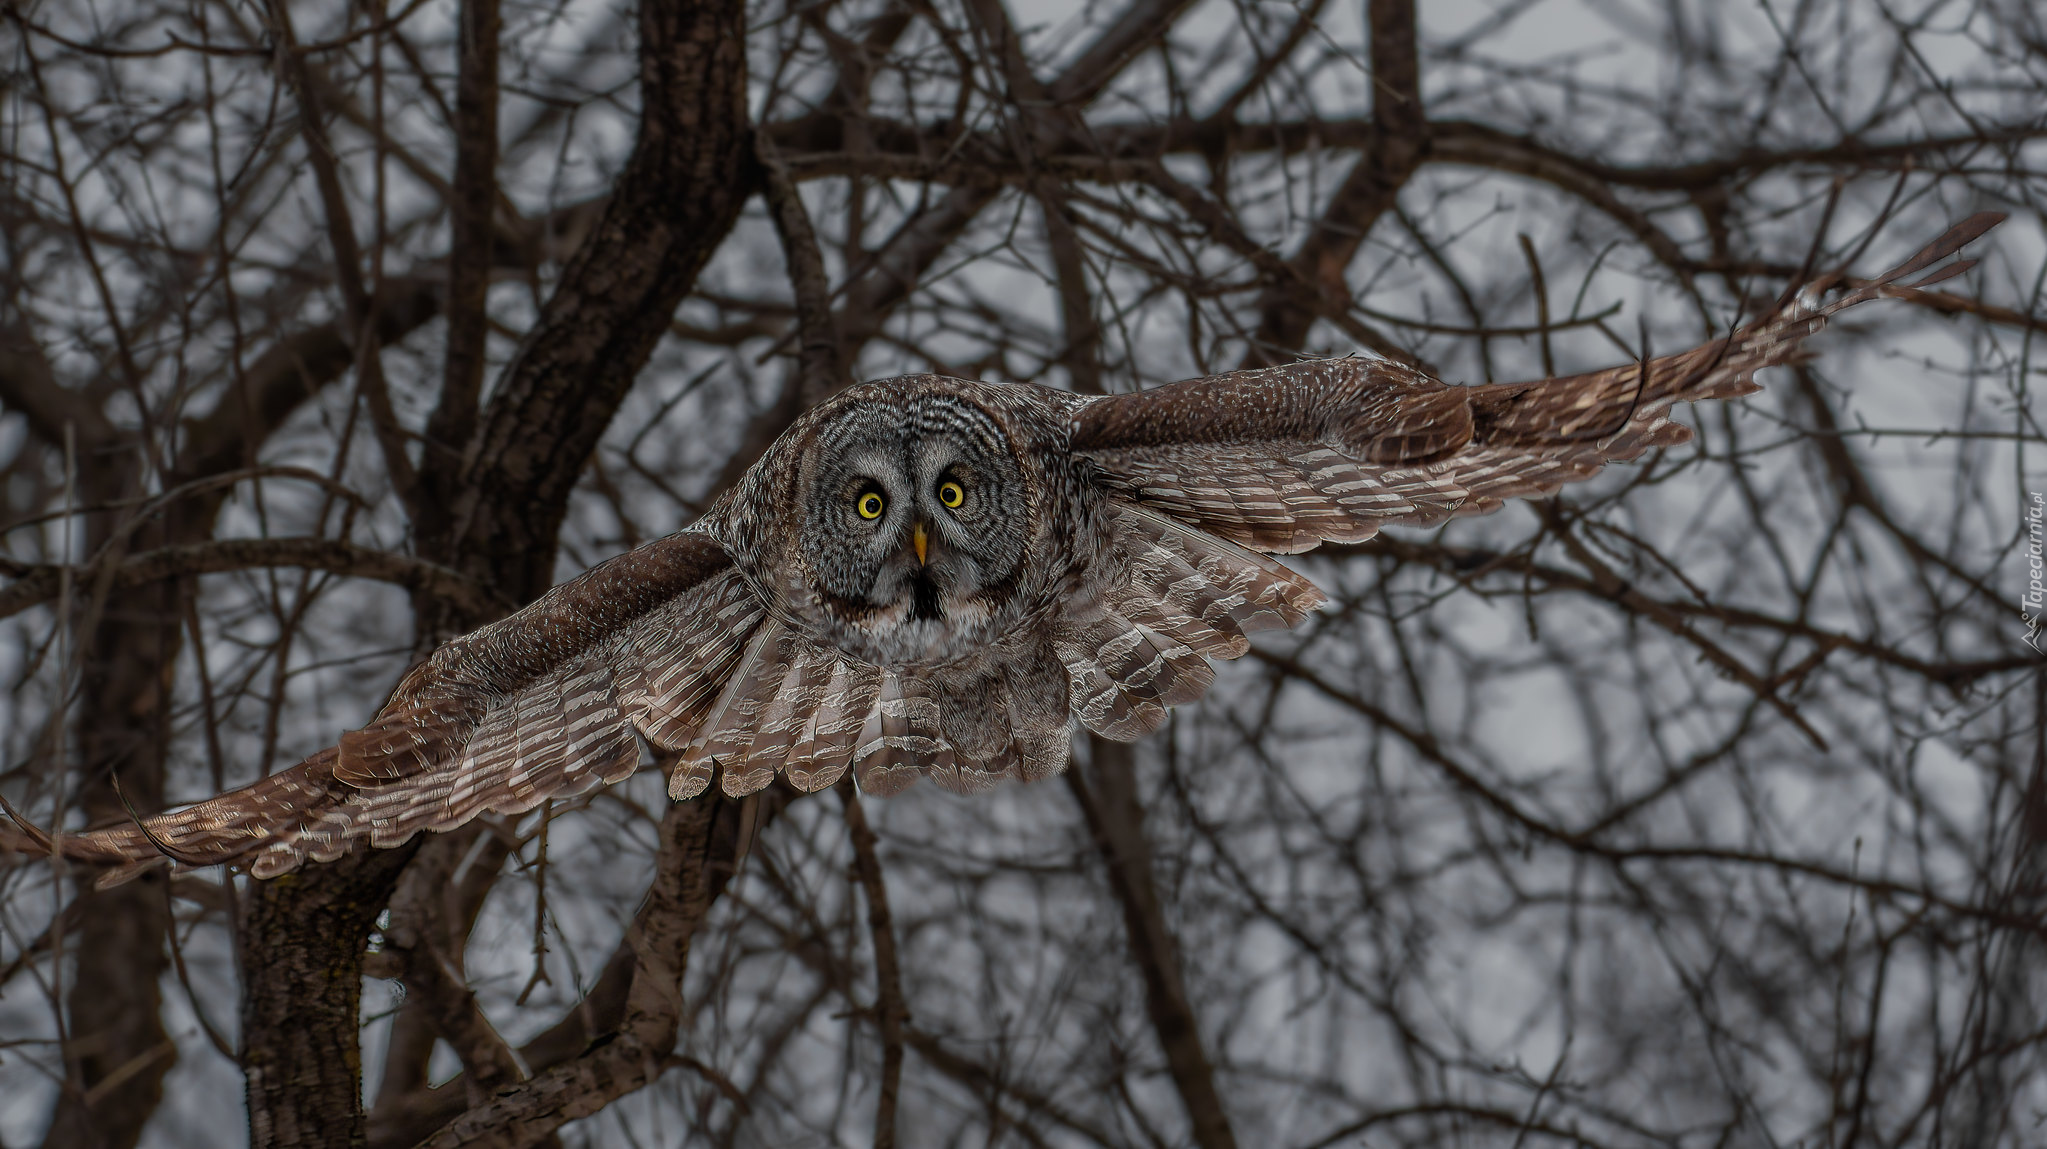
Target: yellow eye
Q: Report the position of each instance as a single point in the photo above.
(951, 494)
(870, 505)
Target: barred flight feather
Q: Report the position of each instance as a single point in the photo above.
(670, 667)
(901, 739)
(829, 736)
(728, 730)
(1040, 708)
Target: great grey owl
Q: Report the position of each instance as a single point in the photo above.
(931, 576)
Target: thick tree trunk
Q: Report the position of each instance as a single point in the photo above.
(301, 944)
(1400, 143)
(116, 1051)
(691, 171)
(673, 205)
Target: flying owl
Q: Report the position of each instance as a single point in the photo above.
(936, 577)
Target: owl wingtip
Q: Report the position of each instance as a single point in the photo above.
(684, 784)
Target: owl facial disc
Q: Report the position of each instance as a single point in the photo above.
(916, 520)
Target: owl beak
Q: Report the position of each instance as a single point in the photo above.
(919, 540)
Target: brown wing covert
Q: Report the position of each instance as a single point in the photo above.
(1285, 458)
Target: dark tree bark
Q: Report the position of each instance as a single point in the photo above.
(1400, 139)
(300, 943)
(135, 628)
(1106, 789)
(614, 303)
(703, 842)
(669, 210)
(117, 1048)
(472, 211)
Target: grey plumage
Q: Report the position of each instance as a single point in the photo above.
(932, 577)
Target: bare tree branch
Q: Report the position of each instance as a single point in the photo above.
(38, 583)
(1520, 830)
(700, 850)
(472, 213)
(1115, 815)
(892, 1014)
(1400, 142)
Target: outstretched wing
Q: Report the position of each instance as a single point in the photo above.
(543, 704)
(670, 642)
(1285, 458)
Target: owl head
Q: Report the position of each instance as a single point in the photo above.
(917, 513)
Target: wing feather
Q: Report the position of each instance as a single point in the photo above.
(1286, 458)
(824, 747)
(901, 738)
(541, 705)
(670, 668)
(796, 700)
(1040, 710)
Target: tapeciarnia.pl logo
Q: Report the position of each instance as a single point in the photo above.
(2029, 605)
